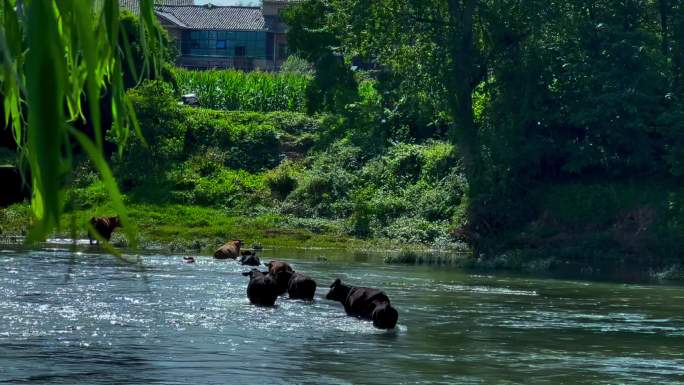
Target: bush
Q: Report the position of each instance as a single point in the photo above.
(94, 195)
(209, 139)
(282, 180)
(228, 188)
(407, 257)
(296, 65)
(247, 143)
(411, 193)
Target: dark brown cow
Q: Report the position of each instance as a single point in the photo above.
(366, 303)
(104, 226)
(249, 258)
(299, 286)
(230, 250)
(278, 270)
(262, 288)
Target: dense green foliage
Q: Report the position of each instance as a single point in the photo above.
(554, 107)
(134, 50)
(551, 127)
(253, 91)
(202, 156)
(286, 164)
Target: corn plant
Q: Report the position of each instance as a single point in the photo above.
(246, 91)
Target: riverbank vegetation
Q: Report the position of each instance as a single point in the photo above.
(542, 135)
(566, 117)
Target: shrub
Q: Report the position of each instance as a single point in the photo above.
(414, 230)
(94, 195)
(282, 180)
(407, 257)
(228, 188)
(211, 140)
(296, 65)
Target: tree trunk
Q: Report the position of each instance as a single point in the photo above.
(461, 85)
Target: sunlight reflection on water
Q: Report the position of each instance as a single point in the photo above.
(92, 318)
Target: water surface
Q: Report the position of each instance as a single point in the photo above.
(90, 318)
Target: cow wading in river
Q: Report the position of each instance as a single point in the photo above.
(262, 289)
(230, 250)
(278, 270)
(104, 226)
(299, 286)
(366, 303)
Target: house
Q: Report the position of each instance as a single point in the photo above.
(211, 36)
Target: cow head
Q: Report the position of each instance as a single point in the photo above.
(338, 291)
(274, 267)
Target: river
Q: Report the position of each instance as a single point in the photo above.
(90, 318)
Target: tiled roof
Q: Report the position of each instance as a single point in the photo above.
(214, 17)
(134, 5)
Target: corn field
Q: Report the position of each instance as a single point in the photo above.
(246, 91)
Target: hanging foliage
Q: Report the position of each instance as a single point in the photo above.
(58, 60)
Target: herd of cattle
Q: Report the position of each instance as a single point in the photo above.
(265, 287)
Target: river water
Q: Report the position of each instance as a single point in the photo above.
(90, 318)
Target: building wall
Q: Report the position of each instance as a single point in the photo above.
(220, 49)
(224, 44)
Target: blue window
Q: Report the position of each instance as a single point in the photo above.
(226, 44)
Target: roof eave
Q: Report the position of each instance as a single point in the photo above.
(171, 19)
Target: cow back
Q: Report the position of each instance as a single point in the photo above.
(229, 250)
(361, 301)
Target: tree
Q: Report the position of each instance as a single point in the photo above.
(333, 86)
(537, 91)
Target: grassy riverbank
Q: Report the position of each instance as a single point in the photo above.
(182, 228)
(293, 179)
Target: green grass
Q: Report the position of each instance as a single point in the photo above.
(412, 257)
(184, 228)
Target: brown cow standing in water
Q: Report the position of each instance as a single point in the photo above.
(278, 270)
(299, 286)
(366, 303)
(261, 289)
(230, 250)
(104, 226)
